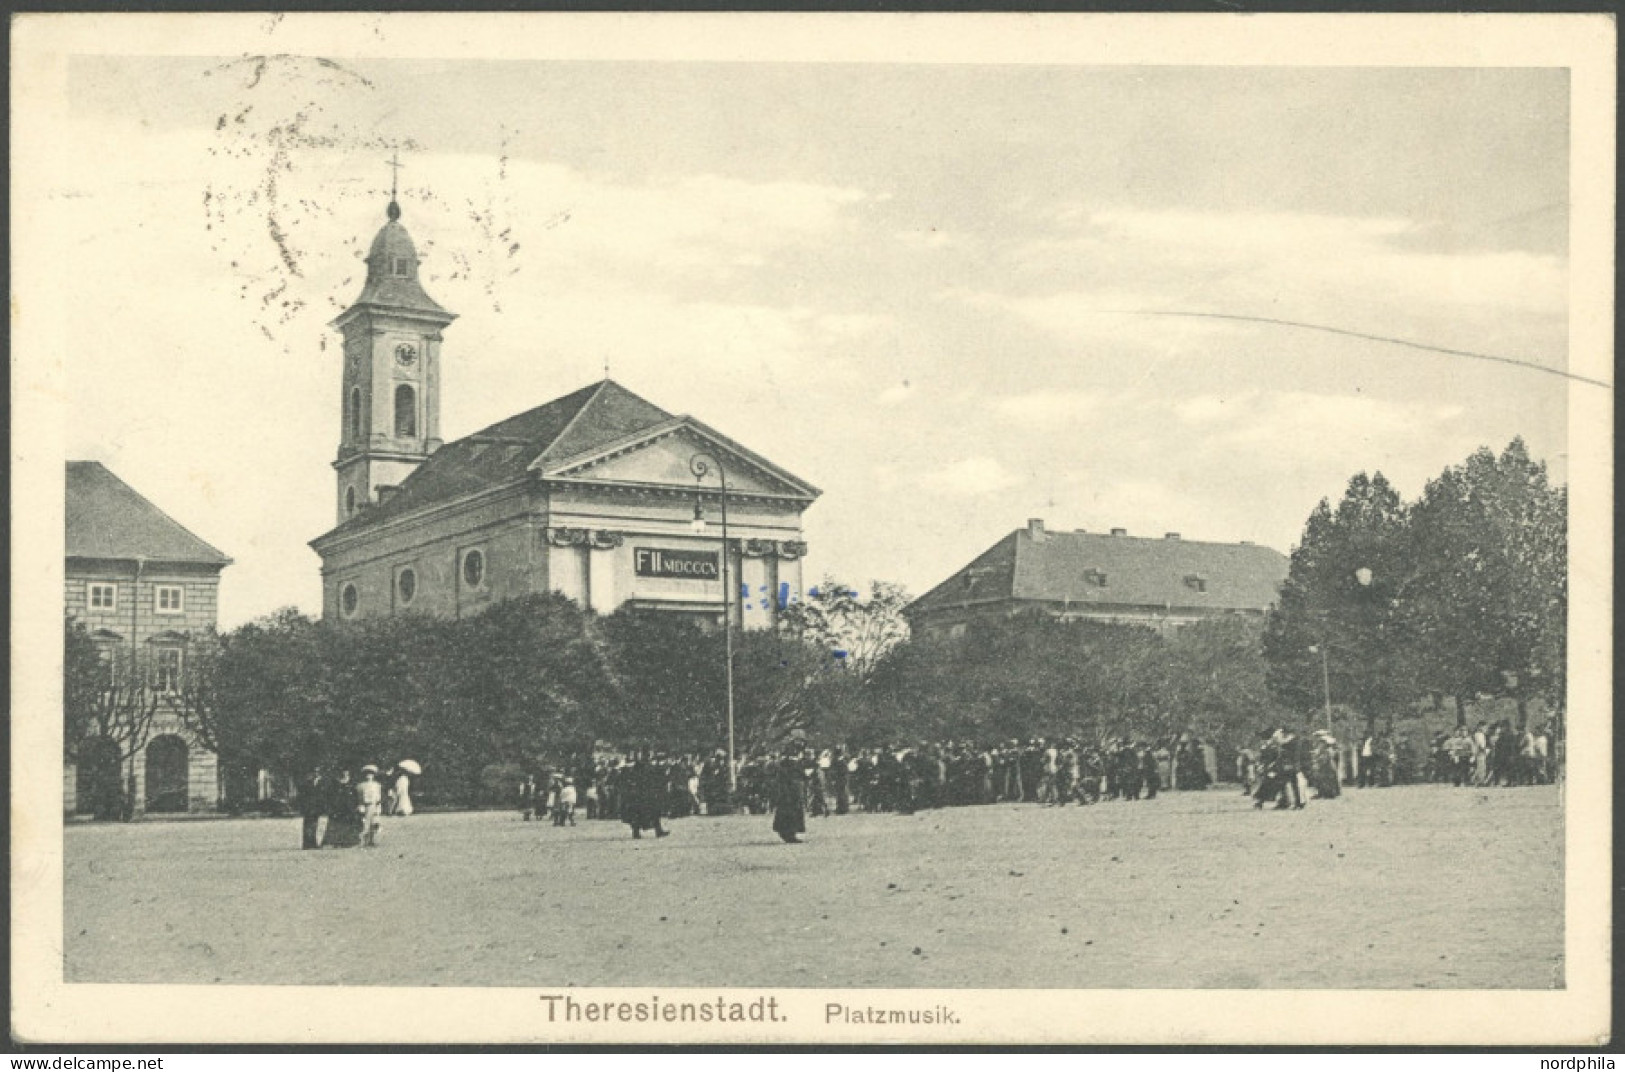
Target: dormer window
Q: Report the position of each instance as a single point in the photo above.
(1094, 578)
(1196, 582)
(400, 267)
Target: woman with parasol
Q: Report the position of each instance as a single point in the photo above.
(400, 793)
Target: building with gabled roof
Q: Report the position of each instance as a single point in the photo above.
(593, 494)
(144, 587)
(1163, 583)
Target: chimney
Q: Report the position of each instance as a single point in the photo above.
(1119, 532)
(1035, 529)
(1170, 535)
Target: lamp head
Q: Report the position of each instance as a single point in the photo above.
(698, 524)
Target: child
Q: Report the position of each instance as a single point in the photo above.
(566, 811)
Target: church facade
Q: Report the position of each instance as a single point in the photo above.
(600, 495)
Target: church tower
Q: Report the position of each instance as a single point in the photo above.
(390, 410)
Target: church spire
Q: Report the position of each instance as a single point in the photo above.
(393, 283)
(395, 165)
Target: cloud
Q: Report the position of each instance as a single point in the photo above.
(971, 476)
(897, 394)
(928, 239)
(1273, 429)
(1355, 273)
(1049, 408)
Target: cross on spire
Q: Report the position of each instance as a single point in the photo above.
(395, 166)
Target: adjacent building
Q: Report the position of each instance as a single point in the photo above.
(600, 494)
(143, 586)
(1162, 583)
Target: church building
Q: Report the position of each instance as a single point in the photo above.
(600, 495)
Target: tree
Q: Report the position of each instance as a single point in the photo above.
(1335, 616)
(196, 699)
(669, 689)
(1216, 682)
(108, 707)
(858, 632)
(534, 678)
(1488, 598)
(85, 674)
(780, 684)
(265, 702)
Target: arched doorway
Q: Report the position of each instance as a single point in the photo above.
(166, 774)
(97, 787)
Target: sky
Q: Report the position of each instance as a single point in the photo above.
(953, 296)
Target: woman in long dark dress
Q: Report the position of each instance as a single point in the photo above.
(789, 802)
(642, 790)
(343, 820)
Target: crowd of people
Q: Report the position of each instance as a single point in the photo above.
(340, 811)
(644, 788)
(1288, 767)
(838, 780)
(1493, 754)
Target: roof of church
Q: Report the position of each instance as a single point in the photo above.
(1031, 564)
(384, 285)
(600, 415)
(106, 518)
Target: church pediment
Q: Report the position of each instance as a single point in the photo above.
(662, 456)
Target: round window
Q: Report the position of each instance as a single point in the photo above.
(350, 599)
(408, 585)
(473, 568)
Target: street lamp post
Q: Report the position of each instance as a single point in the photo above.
(1325, 681)
(700, 465)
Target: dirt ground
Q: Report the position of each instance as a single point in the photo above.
(1395, 888)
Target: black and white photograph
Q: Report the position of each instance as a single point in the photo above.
(830, 529)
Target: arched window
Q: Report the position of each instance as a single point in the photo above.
(355, 413)
(407, 585)
(349, 501)
(349, 600)
(406, 412)
(474, 569)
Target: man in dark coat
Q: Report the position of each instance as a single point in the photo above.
(1270, 784)
(313, 806)
(789, 801)
(1293, 760)
(1150, 776)
(642, 794)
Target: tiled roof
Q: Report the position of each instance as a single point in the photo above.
(1069, 568)
(502, 453)
(106, 518)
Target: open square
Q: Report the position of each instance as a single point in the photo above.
(1400, 888)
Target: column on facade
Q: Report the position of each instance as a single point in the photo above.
(753, 592)
(567, 572)
(601, 579)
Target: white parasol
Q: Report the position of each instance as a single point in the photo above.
(410, 766)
